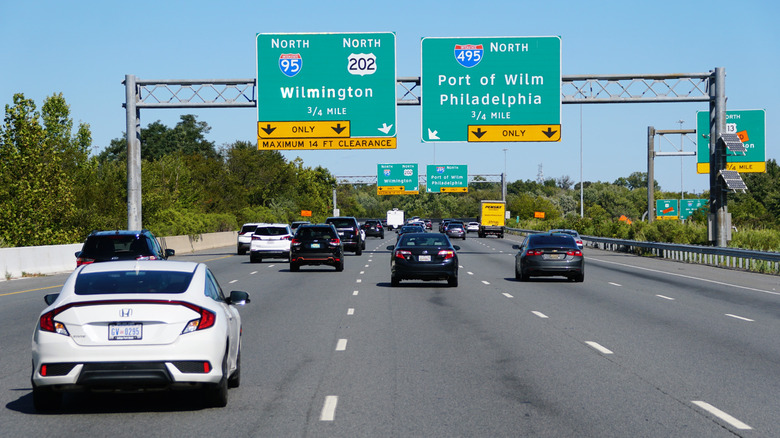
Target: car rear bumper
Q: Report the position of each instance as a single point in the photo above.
(423, 271)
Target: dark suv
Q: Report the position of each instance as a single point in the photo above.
(349, 233)
(373, 227)
(106, 246)
(316, 245)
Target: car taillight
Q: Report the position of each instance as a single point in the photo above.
(295, 242)
(447, 254)
(534, 252)
(83, 261)
(256, 237)
(207, 319)
(48, 324)
(402, 253)
(577, 253)
(334, 242)
(286, 237)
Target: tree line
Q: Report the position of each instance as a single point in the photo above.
(53, 191)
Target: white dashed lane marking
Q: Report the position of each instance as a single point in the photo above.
(599, 348)
(329, 408)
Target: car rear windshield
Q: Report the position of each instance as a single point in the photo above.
(115, 245)
(248, 229)
(271, 231)
(342, 223)
(552, 241)
(133, 282)
(315, 233)
(409, 240)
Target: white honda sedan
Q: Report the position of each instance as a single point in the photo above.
(138, 325)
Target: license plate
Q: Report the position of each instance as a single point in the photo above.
(424, 258)
(555, 256)
(315, 245)
(125, 331)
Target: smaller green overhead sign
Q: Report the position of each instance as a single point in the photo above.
(667, 209)
(691, 206)
(443, 178)
(397, 179)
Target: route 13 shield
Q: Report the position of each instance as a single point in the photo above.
(290, 63)
(469, 55)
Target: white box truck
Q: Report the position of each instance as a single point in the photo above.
(395, 218)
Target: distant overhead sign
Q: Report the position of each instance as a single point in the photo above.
(667, 209)
(443, 178)
(326, 91)
(691, 206)
(397, 179)
(489, 89)
(749, 126)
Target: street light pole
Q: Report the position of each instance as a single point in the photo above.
(503, 179)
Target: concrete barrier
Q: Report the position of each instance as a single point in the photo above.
(52, 259)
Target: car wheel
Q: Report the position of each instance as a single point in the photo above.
(45, 399)
(464, 237)
(453, 281)
(252, 258)
(359, 251)
(394, 281)
(241, 251)
(217, 394)
(579, 278)
(340, 266)
(363, 245)
(294, 267)
(382, 236)
(235, 379)
(517, 274)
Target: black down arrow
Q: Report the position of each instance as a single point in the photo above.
(549, 132)
(268, 129)
(479, 132)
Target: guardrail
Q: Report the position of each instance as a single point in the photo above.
(737, 258)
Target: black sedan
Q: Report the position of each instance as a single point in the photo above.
(409, 229)
(424, 256)
(548, 254)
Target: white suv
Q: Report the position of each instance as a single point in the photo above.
(245, 237)
(270, 241)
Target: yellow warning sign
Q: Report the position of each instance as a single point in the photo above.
(272, 144)
(307, 129)
(454, 189)
(507, 133)
(395, 190)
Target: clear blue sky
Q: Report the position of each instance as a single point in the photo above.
(85, 48)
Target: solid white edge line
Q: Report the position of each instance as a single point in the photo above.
(507, 295)
(341, 345)
(686, 276)
(596, 346)
(665, 297)
(329, 408)
(740, 317)
(722, 415)
(350, 311)
(539, 314)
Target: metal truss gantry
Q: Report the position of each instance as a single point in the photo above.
(575, 89)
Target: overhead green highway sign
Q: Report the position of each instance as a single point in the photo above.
(667, 209)
(691, 206)
(443, 178)
(750, 126)
(397, 179)
(326, 91)
(487, 89)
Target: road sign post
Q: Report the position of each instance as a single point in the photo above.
(326, 91)
(452, 178)
(397, 179)
(490, 89)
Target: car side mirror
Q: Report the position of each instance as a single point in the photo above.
(390, 247)
(50, 298)
(515, 246)
(170, 253)
(238, 298)
(77, 254)
(457, 248)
